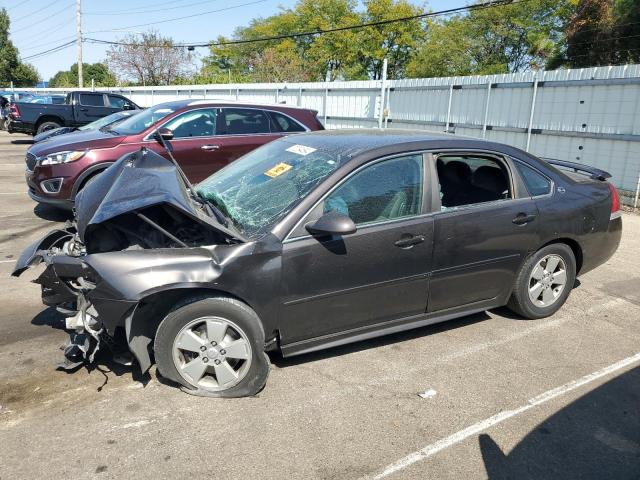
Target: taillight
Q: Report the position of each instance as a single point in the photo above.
(615, 199)
(14, 110)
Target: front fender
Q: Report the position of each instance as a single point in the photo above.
(132, 275)
(34, 253)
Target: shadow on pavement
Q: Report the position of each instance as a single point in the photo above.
(595, 437)
(53, 214)
(281, 362)
(51, 317)
(24, 141)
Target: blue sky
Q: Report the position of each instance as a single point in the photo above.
(39, 25)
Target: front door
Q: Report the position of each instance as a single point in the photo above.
(194, 142)
(482, 234)
(379, 273)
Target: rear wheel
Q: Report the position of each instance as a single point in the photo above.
(213, 347)
(544, 282)
(45, 126)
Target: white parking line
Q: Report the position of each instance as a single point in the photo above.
(476, 428)
(8, 261)
(13, 193)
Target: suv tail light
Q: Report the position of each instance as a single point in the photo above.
(615, 201)
(14, 111)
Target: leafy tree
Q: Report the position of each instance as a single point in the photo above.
(11, 68)
(345, 54)
(601, 32)
(504, 39)
(395, 41)
(151, 60)
(98, 72)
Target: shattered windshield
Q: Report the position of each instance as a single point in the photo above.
(258, 190)
(140, 122)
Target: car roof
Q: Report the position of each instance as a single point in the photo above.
(179, 104)
(346, 144)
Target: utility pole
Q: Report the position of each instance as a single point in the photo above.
(79, 31)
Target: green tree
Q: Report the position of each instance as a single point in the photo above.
(98, 72)
(503, 39)
(394, 41)
(345, 54)
(601, 32)
(11, 68)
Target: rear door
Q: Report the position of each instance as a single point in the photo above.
(90, 106)
(240, 130)
(486, 226)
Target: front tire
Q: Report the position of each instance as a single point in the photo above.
(213, 347)
(544, 282)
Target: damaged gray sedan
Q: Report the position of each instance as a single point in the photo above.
(315, 241)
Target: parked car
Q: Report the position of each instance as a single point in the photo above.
(105, 122)
(79, 108)
(205, 135)
(314, 241)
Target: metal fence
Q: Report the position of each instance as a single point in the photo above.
(587, 115)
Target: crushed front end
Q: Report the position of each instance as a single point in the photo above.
(66, 283)
(136, 232)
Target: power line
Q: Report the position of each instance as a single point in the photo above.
(51, 50)
(33, 46)
(62, 10)
(154, 5)
(13, 21)
(495, 3)
(183, 18)
(155, 9)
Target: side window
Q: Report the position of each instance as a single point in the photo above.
(92, 100)
(116, 102)
(282, 123)
(242, 121)
(469, 180)
(383, 191)
(536, 183)
(196, 123)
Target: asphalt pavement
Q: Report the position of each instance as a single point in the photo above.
(502, 397)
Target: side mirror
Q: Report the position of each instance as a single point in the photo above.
(164, 133)
(332, 223)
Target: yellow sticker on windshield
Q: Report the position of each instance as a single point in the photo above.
(278, 170)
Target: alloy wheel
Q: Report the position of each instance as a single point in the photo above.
(547, 281)
(212, 353)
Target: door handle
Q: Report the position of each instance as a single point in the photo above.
(84, 109)
(209, 148)
(409, 242)
(524, 218)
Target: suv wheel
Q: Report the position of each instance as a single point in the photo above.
(544, 282)
(213, 347)
(45, 126)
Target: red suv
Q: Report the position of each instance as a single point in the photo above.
(207, 135)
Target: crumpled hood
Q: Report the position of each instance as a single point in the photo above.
(81, 140)
(137, 180)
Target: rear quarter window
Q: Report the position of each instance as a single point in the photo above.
(536, 183)
(283, 123)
